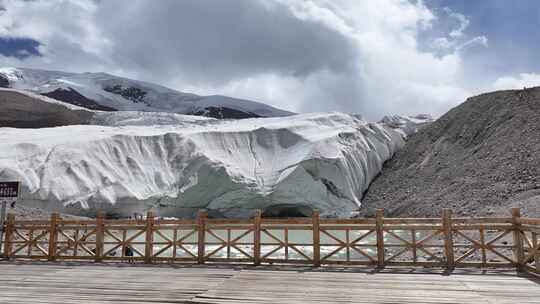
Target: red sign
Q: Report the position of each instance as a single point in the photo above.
(9, 189)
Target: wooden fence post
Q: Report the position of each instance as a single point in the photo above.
(53, 236)
(10, 230)
(379, 221)
(257, 238)
(149, 240)
(518, 239)
(316, 238)
(100, 237)
(3, 210)
(201, 236)
(448, 238)
(536, 251)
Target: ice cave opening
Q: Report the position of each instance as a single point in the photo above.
(287, 210)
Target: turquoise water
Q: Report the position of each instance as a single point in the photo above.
(300, 239)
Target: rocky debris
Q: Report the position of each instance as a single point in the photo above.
(4, 82)
(479, 159)
(224, 113)
(18, 110)
(131, 93)
(408, 125)
(26, 213)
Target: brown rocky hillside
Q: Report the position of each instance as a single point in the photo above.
(480, 158)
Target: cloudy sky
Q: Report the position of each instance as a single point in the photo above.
(362, 56)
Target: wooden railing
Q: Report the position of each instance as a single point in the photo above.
(447, 242)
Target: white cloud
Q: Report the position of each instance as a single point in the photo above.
(456, 40)
(463, 23)
(442, 43)
(517, 82)
(71, 22)
(480, 40)
(316, 55)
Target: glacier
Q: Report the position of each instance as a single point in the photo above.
(407, 125)
(127, 163)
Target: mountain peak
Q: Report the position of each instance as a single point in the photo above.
(103, 91)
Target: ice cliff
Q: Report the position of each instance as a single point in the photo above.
(128, 162)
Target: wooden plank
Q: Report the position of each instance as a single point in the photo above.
(530, 228)
(227, 227)
(351, 227)
(63, 222)
(482, 220)
(79, 283)
(482, 226)
(529, 221)
(412, 221)
(283, 227)
(128, 222)
(286, 221)
(251, 286)
(95, 284)
(412, 227)
(536, 251)
(211, 222)
(348, 222)
(33, 222)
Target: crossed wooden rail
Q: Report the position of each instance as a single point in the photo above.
(437, 242)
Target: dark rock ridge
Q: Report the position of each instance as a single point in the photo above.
(223, 113)
(73, 97)
(131, 93)
(481, 158)
(4, 82)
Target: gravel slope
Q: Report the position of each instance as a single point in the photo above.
(27, 213)
(19, 110)
(481, 158)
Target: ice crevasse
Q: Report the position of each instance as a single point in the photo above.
(283, 166)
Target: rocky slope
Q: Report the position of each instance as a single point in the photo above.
(23, 109)
(481, 158)
(20, 109)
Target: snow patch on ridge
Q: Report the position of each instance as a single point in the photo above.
(130, 95)
(46, 99)
(407, 125)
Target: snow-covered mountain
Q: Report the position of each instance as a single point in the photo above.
(407, 125)
(101, 91)
(24, 109)
(131, 162)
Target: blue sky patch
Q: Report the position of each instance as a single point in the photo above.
(511, 28)
(20, 48)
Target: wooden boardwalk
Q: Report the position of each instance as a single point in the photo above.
(111, 283)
